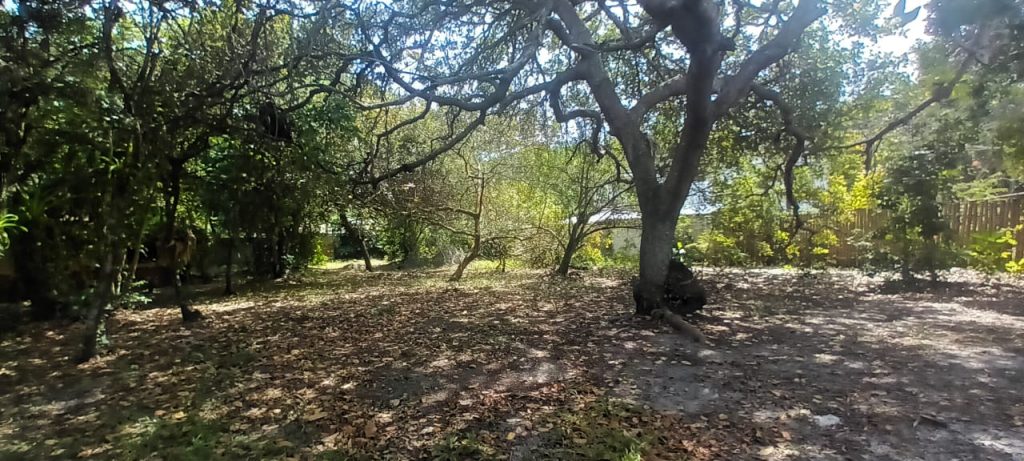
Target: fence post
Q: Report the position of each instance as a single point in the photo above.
(1016, 205)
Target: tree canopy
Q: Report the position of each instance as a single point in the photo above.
(152, 141)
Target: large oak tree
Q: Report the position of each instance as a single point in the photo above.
(631, 71)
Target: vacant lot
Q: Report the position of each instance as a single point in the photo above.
(346, 365)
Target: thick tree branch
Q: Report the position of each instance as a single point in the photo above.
(448, 145)
(622, 123)
(672, 88)
(939, 93)
(801, 138)
(738, 85)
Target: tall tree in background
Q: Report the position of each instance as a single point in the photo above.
(580, 187)
(690, 61)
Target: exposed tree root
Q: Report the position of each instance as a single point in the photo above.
(682, 326)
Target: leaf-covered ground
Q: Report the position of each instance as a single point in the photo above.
(340, 364)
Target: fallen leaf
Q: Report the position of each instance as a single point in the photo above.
(316, 416)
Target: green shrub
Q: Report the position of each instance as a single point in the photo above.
(717, 249)
(916, 237)
(319, 257)
(992, 252)
(592, 253)
(8, 223)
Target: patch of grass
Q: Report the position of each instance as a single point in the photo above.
(11, 450)
(190, 439)
(341, 455)
(460, 447)
(606, 430)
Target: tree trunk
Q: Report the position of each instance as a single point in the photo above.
(566, 262)
(411, 234)
(477, 216)
(280, 255)
(136, 256)
(367, 261)
(474, 252)
(357, 234)
(94, 328)
(119, 273)
(229, 288)
(657, 237)
(575, 235)
(172, 197)
(96, 315)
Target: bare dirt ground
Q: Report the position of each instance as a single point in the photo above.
(851, 368)
(347, 365)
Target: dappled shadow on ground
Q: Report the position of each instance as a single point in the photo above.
(402, 365)
(934, 374)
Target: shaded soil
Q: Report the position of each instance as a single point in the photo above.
(347, 365)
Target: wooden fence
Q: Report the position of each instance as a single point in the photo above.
(965, 219)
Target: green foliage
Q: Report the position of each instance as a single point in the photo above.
(717, 249)
(461, 447)
(8, 225)
(192, 438)
(850, 189)
(916, 237)
(598, 432)
(992, 252)
(812, 249)
(133, 296)
(320, 256)
(594, 250)
(561, 190)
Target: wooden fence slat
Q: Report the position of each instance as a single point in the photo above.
(1016, 209)
(957, 222)
(970, 218)
(965, 219)
(983, 217)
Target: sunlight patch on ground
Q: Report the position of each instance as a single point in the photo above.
(957, 314)
(1009, 442)
(953, 351)
(826, 358)
(230, 305)
(789, 451)
(472, 355)
(766, 415)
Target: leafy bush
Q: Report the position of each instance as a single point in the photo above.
(592, 253)
(717, 249)
(916, 237)
(319, 257)
(992, 252)
(133, 296)
(814, 249)
(8, 223)
(537, 252)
